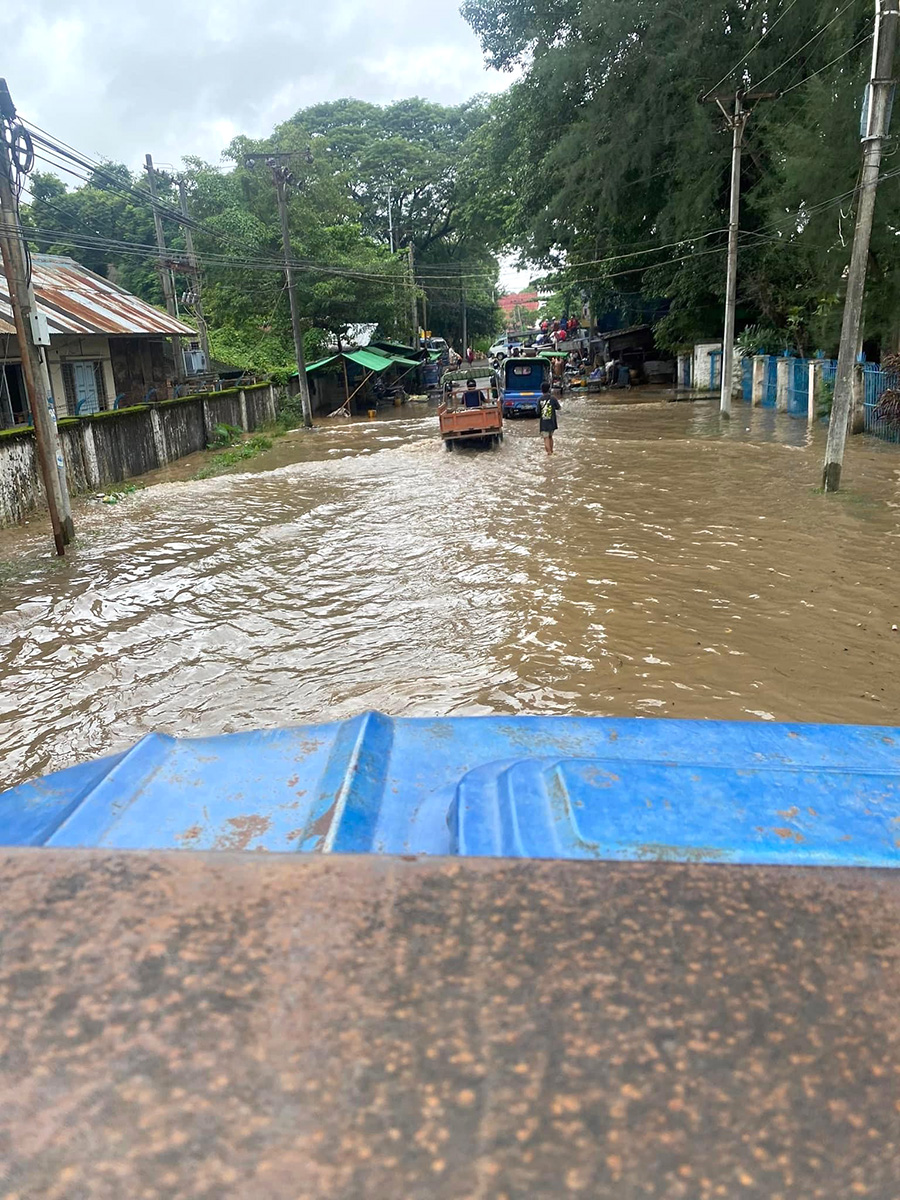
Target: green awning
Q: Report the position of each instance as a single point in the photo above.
(322, 362)
(368, 360)
(554, 354)
(434, 355)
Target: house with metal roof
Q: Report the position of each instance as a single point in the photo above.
(108, 349)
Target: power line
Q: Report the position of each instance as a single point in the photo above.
(741, 61)
(809, 42)
(855, 46)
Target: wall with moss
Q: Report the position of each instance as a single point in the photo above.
(109, 447)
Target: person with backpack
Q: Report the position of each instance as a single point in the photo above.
(549, 407)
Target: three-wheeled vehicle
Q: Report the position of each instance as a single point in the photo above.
(520, 384)
(474, 418)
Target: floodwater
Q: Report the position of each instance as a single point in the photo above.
(659, 564)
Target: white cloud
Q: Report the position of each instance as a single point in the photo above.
(176, 78)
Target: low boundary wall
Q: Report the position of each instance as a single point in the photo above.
(108, 447)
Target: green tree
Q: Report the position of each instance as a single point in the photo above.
(603, 152)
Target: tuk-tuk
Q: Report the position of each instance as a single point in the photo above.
(520, 384)
(461, 421)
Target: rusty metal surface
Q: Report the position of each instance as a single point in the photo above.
(75, 300)
(255, 1026)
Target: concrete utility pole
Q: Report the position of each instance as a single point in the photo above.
(465, 324)
(278, 174)
(414, 309)
(736, 122)
(165, 277)
(25, 315)
(194, 267)
(873, 131)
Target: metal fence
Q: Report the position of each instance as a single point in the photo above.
(715, 369)
(770, 381)
(798, 387)
(882, 412)
(747, 380)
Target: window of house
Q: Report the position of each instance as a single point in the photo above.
(85, 387)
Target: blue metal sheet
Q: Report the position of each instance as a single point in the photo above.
(602, 808)
(565, 787)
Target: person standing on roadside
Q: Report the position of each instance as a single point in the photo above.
(548, 410)
(470, 355)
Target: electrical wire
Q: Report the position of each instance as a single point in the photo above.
(741, 61)
(758, 83)
(855, 46)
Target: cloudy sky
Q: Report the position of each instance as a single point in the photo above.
(174, 77)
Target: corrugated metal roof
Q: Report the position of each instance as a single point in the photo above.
(75, 300)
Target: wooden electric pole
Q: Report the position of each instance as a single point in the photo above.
(194, 268)
(873, 131)
(736, 121)
(165, 277)
(414, 308)
(278, 173)
(35, 374)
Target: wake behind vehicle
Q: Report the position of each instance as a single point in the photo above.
(464, 420)
(520, 384)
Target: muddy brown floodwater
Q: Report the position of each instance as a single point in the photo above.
(659, 564)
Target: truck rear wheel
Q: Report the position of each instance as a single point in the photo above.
(448, 445)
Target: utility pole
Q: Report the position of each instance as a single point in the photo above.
(278, 175)
(390, 220)
(736, 121)
(414, 307)
(35, 374)
(165, 278)
(194, 267)
(873, 131)
(465, 328)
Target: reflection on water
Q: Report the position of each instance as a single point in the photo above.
(655, 565)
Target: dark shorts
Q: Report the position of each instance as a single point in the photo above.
(548, 427)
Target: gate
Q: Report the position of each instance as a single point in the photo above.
(715, 369)
(770, 381)
(798, 387)
(882, 414)
(747, 380)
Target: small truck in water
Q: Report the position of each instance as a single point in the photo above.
(470, 415)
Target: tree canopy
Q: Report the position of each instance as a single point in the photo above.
(598, 165)
(347, 158)
(605, 153)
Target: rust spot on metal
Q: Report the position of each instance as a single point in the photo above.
(790, 813)
(243, 831)
(788, 834)
(190, 835)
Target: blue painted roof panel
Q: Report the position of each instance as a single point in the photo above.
(562, 787)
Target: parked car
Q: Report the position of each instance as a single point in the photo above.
(503, 345)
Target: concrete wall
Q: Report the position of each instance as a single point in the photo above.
(701, 374)
(107, 448)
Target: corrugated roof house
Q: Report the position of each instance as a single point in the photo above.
(107, 347)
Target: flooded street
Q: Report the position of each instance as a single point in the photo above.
(657, 564)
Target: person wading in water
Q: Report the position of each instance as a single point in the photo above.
(549, 409)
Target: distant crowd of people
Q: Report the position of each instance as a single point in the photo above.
(556, 331)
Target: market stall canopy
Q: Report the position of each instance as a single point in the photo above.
(370, 360)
